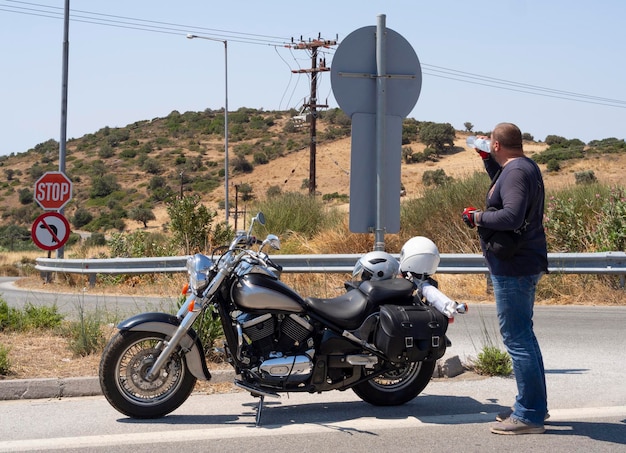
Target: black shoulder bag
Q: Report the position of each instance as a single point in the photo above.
(503, 244)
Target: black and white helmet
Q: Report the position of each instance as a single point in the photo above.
(376, 265)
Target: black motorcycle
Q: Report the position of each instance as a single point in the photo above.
(381, 338)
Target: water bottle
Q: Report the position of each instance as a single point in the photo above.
(441, 302)
(482, 144)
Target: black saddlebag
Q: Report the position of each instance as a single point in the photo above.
(411, 333)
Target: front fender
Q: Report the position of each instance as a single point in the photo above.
(167, 324)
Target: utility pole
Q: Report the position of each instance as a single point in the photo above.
(312, 105)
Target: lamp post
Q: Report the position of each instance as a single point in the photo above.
(190, 36)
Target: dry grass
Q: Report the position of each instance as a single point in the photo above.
(37, 355)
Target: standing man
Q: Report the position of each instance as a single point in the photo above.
(515, 203)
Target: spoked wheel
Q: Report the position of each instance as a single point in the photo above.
(398, 386)
(123, 376)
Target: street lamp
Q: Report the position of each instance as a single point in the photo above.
(190, 36)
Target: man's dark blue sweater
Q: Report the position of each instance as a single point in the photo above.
(518, 199)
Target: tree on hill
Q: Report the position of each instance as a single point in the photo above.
(190, 223)
(437, 135)
(142, 215)
(26, 196)
(81, 218)
(246, 192)
(103, 186)
(410, 131)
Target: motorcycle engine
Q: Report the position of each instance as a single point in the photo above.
(277, 346)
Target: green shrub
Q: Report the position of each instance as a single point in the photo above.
(106, 151)
(5, 363)
(190, 223)
(610, 231)
(95, 240)
(128, 153)
(294, 211)
(81, 217)
(493, 362)
(273, 191)
(31, 317)
(139, 244)
(85, 335)
(260, 158)
(585, 177)
(553, 165)
(9, 317)
(570, 217)
(573, 149)
(209, 329)
(42, 317)
(435, 177)
(241, 165)
(342, 197)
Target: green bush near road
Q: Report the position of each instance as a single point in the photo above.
(31, 317)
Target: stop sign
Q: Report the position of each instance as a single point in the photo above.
(53, 190)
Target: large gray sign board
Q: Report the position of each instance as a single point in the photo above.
(377, 98)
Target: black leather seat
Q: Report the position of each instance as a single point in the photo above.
(349, 310)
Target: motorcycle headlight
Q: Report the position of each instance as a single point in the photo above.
(198, 268)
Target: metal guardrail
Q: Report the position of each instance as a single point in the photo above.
(451, 263)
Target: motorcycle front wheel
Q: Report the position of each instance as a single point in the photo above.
(123, 369)
(398, 386)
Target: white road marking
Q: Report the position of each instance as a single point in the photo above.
(360, 424)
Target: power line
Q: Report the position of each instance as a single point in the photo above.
(110, 20)
(492, 82)
(139, 24)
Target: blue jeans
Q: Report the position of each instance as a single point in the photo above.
(515, 298)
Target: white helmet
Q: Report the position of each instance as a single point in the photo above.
(419, 255)
(376, 265)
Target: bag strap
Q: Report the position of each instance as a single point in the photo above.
(531, 208)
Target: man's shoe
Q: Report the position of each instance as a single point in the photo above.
(514, 426)
(506, 414)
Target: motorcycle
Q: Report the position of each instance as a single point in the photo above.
(381, 338)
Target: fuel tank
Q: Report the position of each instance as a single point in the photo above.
(261, 292)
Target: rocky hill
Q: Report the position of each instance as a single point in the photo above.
(117, 170)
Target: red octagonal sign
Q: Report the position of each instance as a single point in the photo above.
(53, 190)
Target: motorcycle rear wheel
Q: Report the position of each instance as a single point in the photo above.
(398, 386)
(123, 367)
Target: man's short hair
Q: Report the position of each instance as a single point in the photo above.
(509, 135)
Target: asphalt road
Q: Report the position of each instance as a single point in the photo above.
(447, 417)
(86, 299)
(584, 351)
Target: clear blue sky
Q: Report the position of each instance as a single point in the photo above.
(482, 61)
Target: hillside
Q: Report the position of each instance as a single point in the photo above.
(116, 170)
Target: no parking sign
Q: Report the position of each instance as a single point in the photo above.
(50, 231)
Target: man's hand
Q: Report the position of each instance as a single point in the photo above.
(469, 216)
(483, 155)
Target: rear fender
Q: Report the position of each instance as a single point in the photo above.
(167, 324)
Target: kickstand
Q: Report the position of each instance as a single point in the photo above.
(257, 392)
(259, 409)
